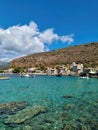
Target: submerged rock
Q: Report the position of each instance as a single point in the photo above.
(2, 127)
(71, 126)
(27, 128)
(97, 101)
(88, 92)
(17, 128)
(25, 114)
(65, 116)
(68, 96)
(12, 107)
(69, 106)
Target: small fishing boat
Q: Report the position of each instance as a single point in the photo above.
(27, 75)
(84, 77)
(3, 78)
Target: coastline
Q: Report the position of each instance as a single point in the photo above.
(7, 75)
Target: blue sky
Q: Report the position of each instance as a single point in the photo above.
(53, 24)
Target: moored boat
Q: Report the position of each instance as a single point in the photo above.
(84, 77)
(4, 77)
(27, 75)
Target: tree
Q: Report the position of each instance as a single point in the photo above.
(16, 70)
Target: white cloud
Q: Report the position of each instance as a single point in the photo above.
(68, 38)
(48, 36)
(18, 40)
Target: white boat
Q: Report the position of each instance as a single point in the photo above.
(27, 75)
(3, 78)
(92, 72)
(84, 77)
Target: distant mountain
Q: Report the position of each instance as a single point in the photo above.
(86, 54)
(0, 63)
(3, 64)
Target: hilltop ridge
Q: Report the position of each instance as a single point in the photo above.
(85, 53)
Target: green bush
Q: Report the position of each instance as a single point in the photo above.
(16, 70)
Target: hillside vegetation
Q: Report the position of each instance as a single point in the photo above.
(86, 54)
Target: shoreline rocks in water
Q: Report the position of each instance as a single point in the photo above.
(25, 114)
(12, 107)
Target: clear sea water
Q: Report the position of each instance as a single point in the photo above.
(71, 102)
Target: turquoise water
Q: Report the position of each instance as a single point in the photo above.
(71, 102)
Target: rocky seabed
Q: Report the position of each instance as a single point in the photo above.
(74, 114)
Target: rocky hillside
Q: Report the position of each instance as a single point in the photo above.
(86, 54)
